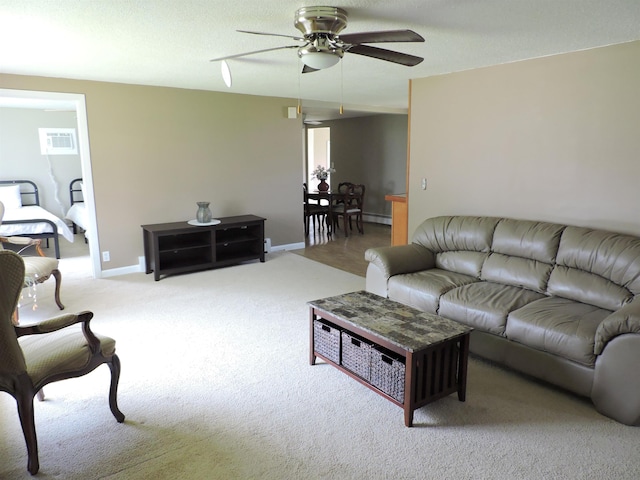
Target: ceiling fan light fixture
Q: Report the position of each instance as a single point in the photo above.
(226, 73)
(319, 60)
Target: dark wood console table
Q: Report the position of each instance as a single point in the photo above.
(172, 248)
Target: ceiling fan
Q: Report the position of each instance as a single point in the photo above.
(323, 47)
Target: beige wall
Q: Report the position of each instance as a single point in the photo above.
(555, 138)
(156, 151)
(371, 150)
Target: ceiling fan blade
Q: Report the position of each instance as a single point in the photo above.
(388, 55)
(271, 34)
(308, 69)
(228, 57)
(381, 37)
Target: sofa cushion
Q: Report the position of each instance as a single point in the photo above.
(608, 256)
(467, 263)
(422, 290)
(523, 253)
(586, 287)
(558, 326)
(460, 233)
(516, 271)
(527, 239)
(485, 305)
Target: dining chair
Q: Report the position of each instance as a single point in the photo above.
(38, 269)
(313, 211)
(352, 206)
(35, 355)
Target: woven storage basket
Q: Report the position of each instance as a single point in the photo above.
(326, 340)
(387, 373)
(356, 355)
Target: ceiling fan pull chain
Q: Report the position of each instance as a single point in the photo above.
(341, 87)
(299, 93)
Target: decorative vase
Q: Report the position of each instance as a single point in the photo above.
(203, 215)
(323, 186)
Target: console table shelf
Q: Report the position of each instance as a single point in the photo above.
(172, 248)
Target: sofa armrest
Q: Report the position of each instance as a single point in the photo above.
(624, 320)
(400, 259)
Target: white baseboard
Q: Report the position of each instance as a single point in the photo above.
(377, 218)
(114, 272)
(288, 246)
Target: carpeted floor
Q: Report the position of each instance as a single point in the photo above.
(216, 384)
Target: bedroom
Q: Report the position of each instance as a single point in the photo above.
(49, 174)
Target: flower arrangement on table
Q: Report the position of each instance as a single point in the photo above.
(322, 173)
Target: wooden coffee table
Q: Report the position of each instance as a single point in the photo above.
(410, 357)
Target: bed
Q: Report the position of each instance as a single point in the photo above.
(25, 217)
(77, 213)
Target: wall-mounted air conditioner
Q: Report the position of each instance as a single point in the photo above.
(58, 141)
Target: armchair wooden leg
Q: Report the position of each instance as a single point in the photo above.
(114, 365)
(58, 277)
(24, 398)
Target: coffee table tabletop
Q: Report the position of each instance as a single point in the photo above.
(406, 327)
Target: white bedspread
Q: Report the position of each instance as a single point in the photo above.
(78, 215)
(28, 213)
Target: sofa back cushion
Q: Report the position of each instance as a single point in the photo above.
(527, 239)
(516, 271)
(597, 267)
(461, 243)
(460, 261)
(523, 253)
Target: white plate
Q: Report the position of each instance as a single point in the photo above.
(214, 221)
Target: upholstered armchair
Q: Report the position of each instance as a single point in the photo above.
(33, 356)
(38, 269)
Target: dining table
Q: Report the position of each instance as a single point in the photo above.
(333, 197)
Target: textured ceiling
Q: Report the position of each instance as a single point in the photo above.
(170, 42)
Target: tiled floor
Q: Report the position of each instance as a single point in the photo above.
(345, 253)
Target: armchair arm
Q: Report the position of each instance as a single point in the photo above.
(60, 322)
(400, 259)
(624, 320)
(26, 241)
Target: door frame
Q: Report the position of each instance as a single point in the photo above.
(76, 101)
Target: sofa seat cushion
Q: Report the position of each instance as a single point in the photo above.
(485, 305)
(422, 290)
(558, 326)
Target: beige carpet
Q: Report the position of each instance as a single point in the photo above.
(216, 384)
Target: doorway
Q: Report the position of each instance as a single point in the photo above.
(71, 101)
(318, 152)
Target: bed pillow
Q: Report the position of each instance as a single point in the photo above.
(10, 197)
